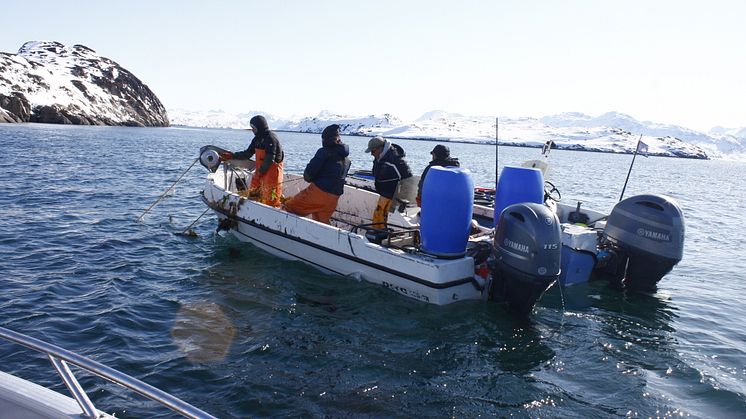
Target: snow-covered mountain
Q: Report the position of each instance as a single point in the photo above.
(366, 125)
(718, 142)
(218, 118)
(612, 132)
(49, 82)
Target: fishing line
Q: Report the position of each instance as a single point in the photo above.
(562, 298)
(167, 190)
(184, 233)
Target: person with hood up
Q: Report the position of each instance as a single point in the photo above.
(266, 183)
(441, 157)
(392, 176)
(325, 174)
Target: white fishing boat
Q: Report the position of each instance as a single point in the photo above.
(439, 258)
(437, 254)
(20, 398)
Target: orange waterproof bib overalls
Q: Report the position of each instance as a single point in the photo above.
(267, 186)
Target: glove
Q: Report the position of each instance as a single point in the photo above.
(226, 155)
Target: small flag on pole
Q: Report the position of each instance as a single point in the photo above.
(642, 148)
(547, 147)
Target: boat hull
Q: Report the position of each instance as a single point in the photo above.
(341, 251)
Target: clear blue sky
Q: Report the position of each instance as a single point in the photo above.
(679, 62)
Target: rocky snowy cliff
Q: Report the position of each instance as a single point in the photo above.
(49, 82)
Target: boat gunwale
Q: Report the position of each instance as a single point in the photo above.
(403, 275)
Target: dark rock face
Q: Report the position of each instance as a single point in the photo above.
(16, 107)
(51, 83)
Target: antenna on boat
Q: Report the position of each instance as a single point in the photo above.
(167, 190)
(497, 169)
(642, 148)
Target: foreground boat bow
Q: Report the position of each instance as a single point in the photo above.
(20, 398)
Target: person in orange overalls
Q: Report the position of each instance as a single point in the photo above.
(325, 174)
(266, 183)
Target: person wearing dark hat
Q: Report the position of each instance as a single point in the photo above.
(441, 157)
(325, 174)
(266, 183)
(391, 173)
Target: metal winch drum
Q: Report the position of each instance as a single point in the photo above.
(209, 157)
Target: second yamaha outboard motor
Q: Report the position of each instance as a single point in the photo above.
(527, 255)
(643, 240)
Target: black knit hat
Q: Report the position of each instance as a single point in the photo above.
(330, 132)
(441, 152)
(260, 123)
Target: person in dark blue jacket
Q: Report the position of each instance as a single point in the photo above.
(441, 157)
(390, 171)
(325, 174)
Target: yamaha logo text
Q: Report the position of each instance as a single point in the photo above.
(515, 246)
(654, 235)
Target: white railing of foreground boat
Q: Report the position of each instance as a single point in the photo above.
(61, 357)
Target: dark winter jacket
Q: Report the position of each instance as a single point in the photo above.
(389, 169)
(448, 161)
(328, 168)
(265, 140)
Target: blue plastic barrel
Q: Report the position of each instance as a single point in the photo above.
(517, 185)
(447, 204)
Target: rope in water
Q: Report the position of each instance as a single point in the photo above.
(167, 190)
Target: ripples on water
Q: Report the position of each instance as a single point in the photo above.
(240, 333)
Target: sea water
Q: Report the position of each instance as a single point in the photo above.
(240, 333)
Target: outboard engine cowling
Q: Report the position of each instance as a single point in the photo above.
(645, 236)
(526, 255)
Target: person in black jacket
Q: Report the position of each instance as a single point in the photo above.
(441, 157)
(326, 174)
(266, 183)
(389, 170)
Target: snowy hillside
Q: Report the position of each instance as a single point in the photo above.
(611, 132)
(49, 82)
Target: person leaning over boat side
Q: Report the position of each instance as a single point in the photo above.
(325, 174)
(441, 157)
(390, 170)
(266, 183)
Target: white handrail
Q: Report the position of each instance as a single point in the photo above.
(60, 356)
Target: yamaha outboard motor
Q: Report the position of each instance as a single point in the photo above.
(527, 255)
(643, 240)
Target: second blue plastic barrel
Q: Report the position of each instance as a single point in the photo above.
(517, 185)
(447, 205)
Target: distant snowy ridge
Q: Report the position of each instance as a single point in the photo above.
(49, 82)
(612, 132)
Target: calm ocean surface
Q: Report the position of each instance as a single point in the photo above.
(240, 333)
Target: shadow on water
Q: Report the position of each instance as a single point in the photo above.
(636, 335)
(336, 346)
(654, 310)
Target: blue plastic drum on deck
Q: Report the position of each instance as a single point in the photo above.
(447, 204)
(517, 185)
